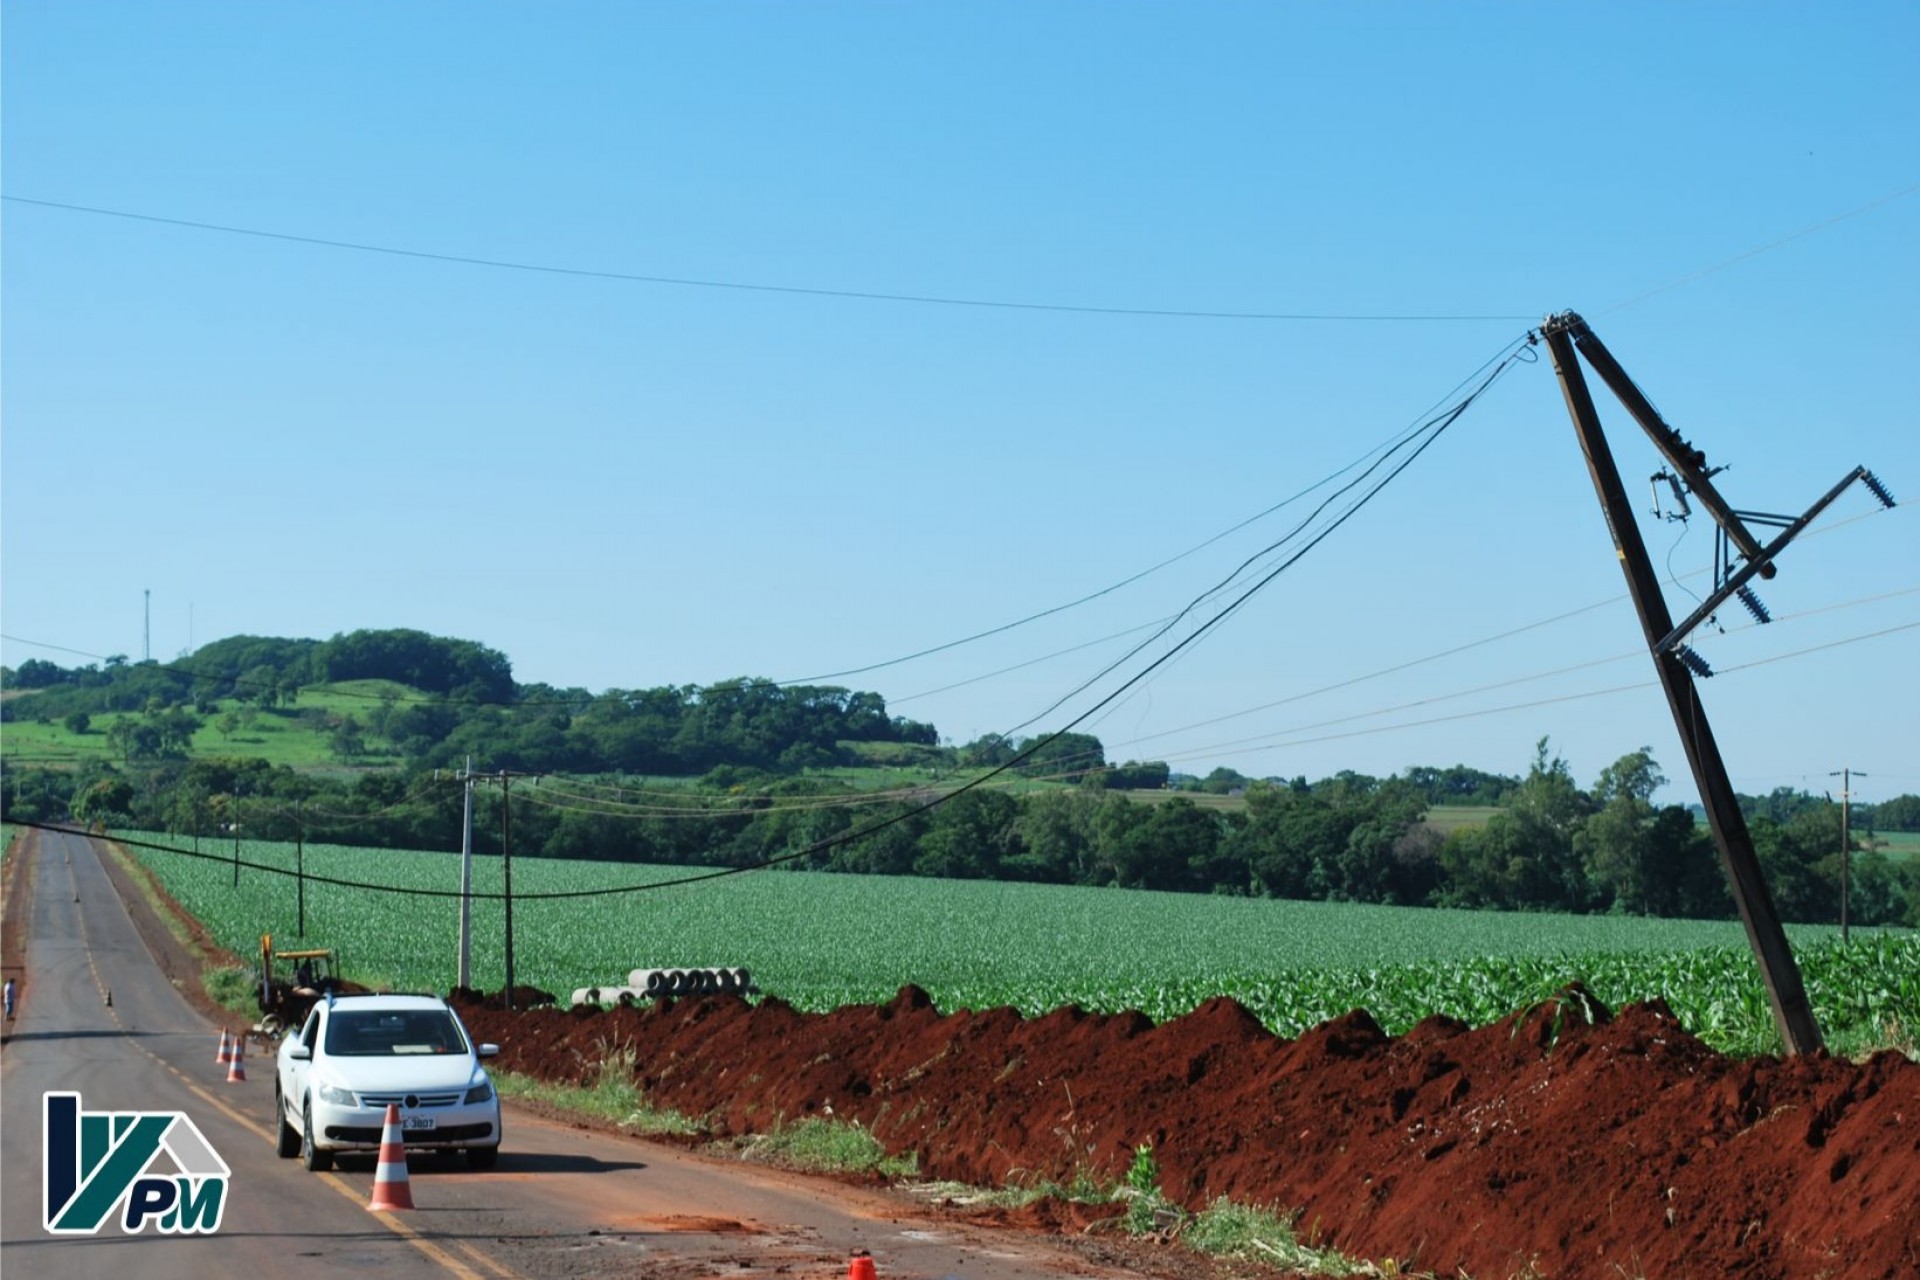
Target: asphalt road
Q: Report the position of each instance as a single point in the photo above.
(98, 1018)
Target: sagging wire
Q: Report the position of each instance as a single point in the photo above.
(1433, 428)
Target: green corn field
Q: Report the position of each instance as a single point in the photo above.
(818, 941)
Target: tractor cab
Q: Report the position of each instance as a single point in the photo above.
(290, 983)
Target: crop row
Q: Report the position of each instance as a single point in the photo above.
(820, 940)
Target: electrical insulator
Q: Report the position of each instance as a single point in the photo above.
(1693, 662)
(1879, 490)
(1754, 607)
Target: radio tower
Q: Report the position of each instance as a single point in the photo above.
(146, 625)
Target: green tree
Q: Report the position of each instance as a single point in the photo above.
(77, 722)
(1902, 813)
(968, 836)
(348, 741)
(1069, 757)
(1800, 860)
(108, 800)
(1056, 835)
(1617, 843)
(1291, 841)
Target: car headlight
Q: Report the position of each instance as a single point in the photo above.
(337, 1096)
(480, 1092)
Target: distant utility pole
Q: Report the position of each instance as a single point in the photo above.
(463, 975)
(146, 625)
(505, 778)
(300, 863)
(1846, 777)
(1570, 340)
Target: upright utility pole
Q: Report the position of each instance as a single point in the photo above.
(1846, 840)
(465, 975)
(300, 864)
(1677, 664)
(505, 778)
(506, 868)
(146, 624)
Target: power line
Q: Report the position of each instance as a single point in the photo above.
(1458, 649)
(1435, 427)
(1755, 252)
(861, 295)
(872, 828)
(584, 698)
(1542, 702)
(1391, 444)
(848, 837)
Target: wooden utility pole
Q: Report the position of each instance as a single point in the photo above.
(1569, 339)
(300, 865)
(1846, 840)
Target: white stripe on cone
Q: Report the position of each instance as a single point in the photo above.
(390, 1187)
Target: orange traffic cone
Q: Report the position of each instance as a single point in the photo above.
(390, 1188)
(226, 1049)
(861, 1267)
(237, 1065)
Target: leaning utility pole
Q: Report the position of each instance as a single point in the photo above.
(1846, 839)
(1568, 338)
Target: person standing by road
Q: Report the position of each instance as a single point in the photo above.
(9, 999)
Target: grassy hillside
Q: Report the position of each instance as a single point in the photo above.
(297, 734)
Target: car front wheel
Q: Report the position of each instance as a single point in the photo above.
(316, 1160)
(287, 1146)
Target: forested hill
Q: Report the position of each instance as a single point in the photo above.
(352, 739)
(448, 699)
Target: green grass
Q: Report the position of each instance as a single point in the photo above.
(235, 991)
(28, 743)
(820, 941)
(279, 735)
(820, 1145)
(612, 1096)
(1230, 1230)
(1899, 846)
(1449, 818)
(1201, 799)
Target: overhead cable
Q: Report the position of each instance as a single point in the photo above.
(861, 295)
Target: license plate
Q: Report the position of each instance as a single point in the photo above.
(416, 1122)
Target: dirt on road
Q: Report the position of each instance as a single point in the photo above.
(1565, 1141)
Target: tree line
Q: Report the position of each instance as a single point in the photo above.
(747, 750)
(1552, 847)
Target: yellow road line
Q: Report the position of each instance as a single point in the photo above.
(484, 1259)
(427, 1248)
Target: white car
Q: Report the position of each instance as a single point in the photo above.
(357, 1053)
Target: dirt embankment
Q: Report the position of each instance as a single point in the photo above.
(1623, 1146)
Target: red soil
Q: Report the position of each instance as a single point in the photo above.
(1539, 1145)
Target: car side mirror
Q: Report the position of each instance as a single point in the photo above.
(489, 1050)
(300, 1051)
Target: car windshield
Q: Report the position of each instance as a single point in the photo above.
(365, 1033)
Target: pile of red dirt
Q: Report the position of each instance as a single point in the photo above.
(1565, 1141)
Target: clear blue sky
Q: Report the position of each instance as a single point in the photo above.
(624, 484)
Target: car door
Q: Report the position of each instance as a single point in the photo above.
(293, 1084)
